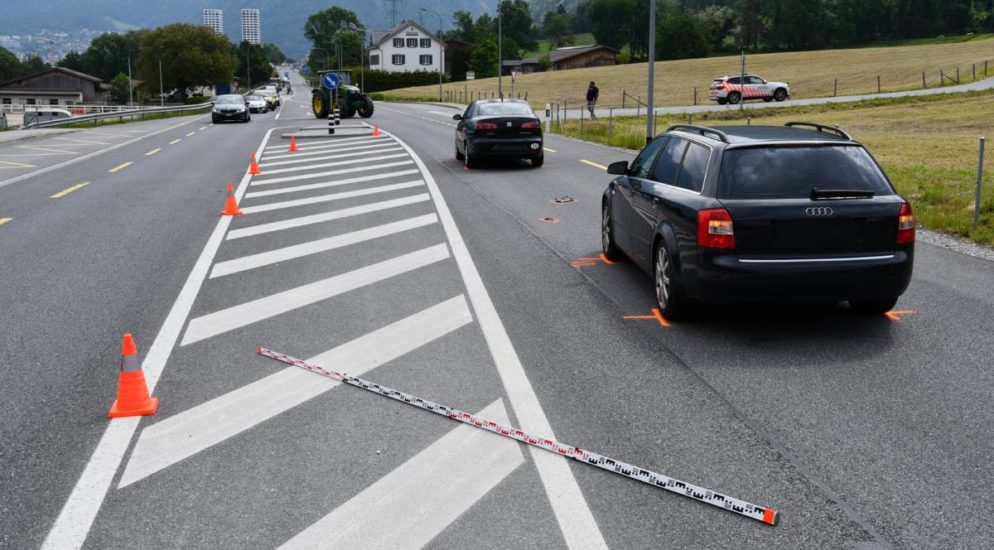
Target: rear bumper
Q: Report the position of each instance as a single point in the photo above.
(726, 278)
(505, 147)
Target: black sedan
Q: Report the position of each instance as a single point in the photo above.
(758, 214)
(230, 107)
(493, 128)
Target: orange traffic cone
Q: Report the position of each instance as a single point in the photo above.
(132, 392)
(254, 166)
(376, 130)
(231, 205)
(293, 144)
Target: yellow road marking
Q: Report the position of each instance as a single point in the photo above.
(15, 164)
(79, 185)
(5, 220)
(594, 164)
(153, 151)
(175, 141)
(550, 150)
(120, 167)
(190, 134)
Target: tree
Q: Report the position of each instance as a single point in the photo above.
(254, 57)
(273, 53)
(33, 64)
(10, 66)
(517, 28)
(608, 21)
(73, 60)
(680, 37)
(556, 27)
(483, 58)
(120, 89)
(330, 30)
(191, 55)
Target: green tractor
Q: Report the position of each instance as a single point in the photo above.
(350, 99)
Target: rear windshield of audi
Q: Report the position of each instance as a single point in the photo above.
(792, 172)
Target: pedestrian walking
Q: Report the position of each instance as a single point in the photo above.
(592, 94)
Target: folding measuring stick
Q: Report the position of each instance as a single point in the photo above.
(741, 507)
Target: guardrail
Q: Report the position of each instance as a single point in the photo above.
(135, 113)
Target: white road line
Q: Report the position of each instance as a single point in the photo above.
(332, 164)
(336, 151)
(419, 499)
(234, 317)
(333, 197)
(82, 141)
(334, 172)
(326, 216)
(346, 181)
(387, 148)
(576, 521)
(261, 259)
(330, 142)
(76, 517)
(193, 430)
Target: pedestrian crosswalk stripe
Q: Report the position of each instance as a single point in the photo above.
(245, 314)
(331, 142)
(313, 186)
(261, 259)
(331, 164)
(385, 148)
(326, 216)
(332, 197)
(187, 433)
(342, 150)
(334, 172)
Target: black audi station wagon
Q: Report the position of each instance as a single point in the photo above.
(800, 212)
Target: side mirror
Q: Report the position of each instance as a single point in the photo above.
(456, 117)
(619, 168)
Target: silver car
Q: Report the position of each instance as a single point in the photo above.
(256, 103)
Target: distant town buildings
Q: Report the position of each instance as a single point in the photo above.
(214, 19)
(251, 30)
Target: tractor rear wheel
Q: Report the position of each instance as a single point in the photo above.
(319, 105)
(366, 109)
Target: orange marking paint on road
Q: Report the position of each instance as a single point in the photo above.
(587, 262)
(605, 260)
(898, 314)
(656, 316)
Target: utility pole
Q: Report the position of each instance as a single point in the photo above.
(162, 93)
(131, 88)
(248, 68)
(650, 107)
(742, 83)
(500, 56)
(441, 51)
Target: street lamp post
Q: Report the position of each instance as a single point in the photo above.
(650, 113)
(441, 51)
(362, 55)
(162, 93)
(500, 56)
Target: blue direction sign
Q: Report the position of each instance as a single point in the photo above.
(330, 81)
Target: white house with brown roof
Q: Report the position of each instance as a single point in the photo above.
(407, 47)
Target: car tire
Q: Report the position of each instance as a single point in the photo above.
(873, 307)
(734, 98)
(467, 160)
(538, 161)
(722, 101)
(767, 99)
(608, 245)
(459, 156)
(672, 304)
(213, 120)
(780, 94)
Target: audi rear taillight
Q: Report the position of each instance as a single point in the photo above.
(906, 225)
(530, 125)
(714, 229)
(486, 126)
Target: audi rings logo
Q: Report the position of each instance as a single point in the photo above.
(819, 211)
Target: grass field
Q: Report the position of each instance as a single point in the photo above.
(927, 146)
(810, 74)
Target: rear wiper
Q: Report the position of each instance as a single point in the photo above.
(838, 194)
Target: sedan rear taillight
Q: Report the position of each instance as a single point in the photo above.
(714, 229)
(905, 225)
(530, 125)
(486, 126)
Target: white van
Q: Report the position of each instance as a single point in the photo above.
(33, 117)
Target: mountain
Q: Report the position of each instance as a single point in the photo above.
(282, 20)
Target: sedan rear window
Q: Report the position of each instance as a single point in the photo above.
(489, 109)
(790, 172)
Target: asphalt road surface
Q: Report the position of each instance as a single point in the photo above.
(385, 258)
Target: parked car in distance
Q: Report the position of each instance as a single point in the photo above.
(729, 89)
(37, 115)
(230, 107)
(256, 103)
(494, 128)
(800, 212)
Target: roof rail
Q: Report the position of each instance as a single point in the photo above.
(822, 128)
(702, 130)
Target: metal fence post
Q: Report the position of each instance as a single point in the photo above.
(980, 179)
(924, 84)
(695, 95)
(610, 120)
(581, 122)
(835, 88)
(878, 84)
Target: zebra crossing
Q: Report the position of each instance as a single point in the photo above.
(362, 268)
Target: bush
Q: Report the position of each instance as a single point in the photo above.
(378, 81)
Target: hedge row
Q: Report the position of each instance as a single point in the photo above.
(378, 81)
